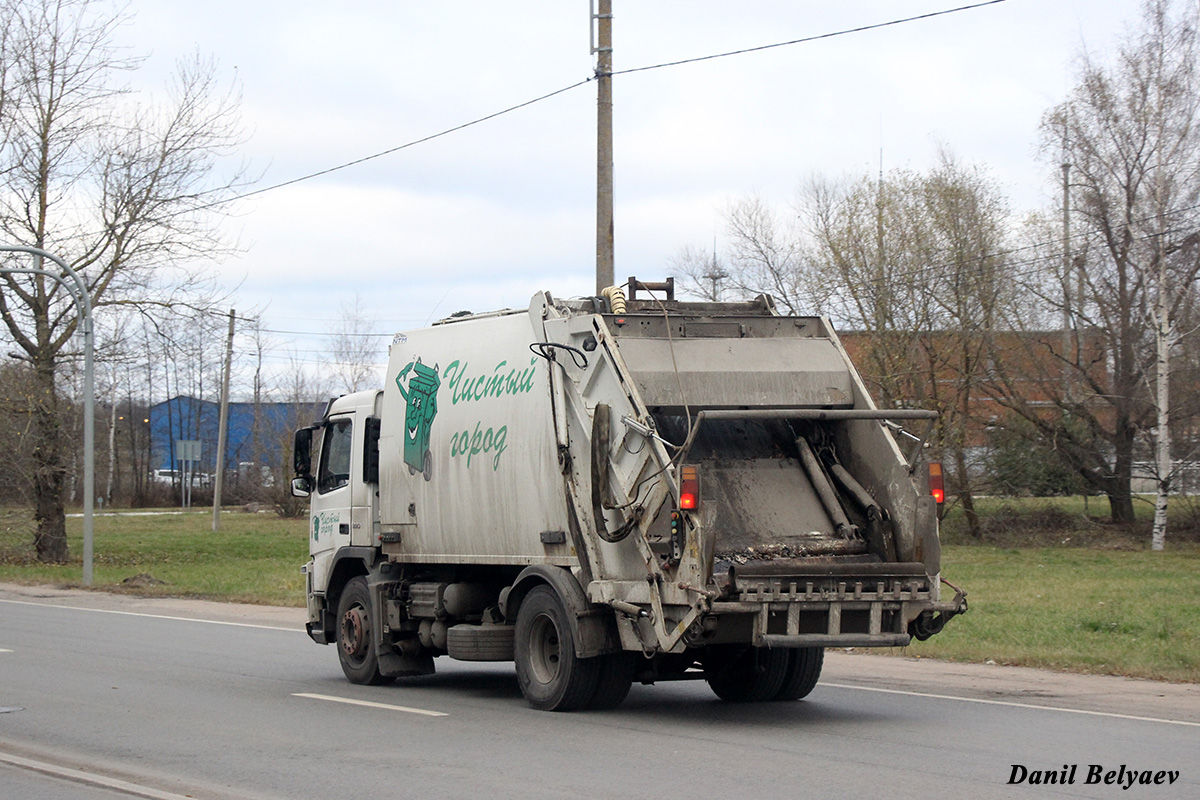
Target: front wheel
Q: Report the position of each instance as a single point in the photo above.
(356, 647)
(551, 675)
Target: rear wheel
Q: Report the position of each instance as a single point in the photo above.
(355, 643)
(744, 674)
(803, 672)
(551, 676)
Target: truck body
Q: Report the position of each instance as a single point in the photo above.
(608, 490)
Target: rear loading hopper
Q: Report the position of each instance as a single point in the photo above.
(810, 529)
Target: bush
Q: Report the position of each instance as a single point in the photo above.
(1021, 464)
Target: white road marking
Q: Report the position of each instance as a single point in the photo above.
(2, 650)
(89, 778)
(154, 616)
(369, 704)
(1013, 704)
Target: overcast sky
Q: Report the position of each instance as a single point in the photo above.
(483, 217)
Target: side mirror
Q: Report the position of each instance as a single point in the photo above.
(302, 486)
(302, 452)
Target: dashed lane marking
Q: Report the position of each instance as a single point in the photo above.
(369, 704)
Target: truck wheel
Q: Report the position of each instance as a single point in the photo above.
(746, 674)
(616, 677)
(552, 677)
(356, 649)
(803, 672)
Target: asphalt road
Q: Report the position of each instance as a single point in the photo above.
(104, 696)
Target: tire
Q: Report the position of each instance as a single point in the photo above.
(467, 642)
(616, 677)
(355, 642)
(551, 676)
(803, 672)
(744, 674)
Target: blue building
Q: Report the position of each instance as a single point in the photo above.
(259, 434)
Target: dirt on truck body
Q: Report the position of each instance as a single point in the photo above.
(617, 489)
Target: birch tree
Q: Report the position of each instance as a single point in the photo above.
(1130, 137)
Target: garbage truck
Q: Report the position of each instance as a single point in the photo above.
(620, 488)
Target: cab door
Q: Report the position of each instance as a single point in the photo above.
(330, 520)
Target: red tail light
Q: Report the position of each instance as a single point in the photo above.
(937, 486)
(689, 487)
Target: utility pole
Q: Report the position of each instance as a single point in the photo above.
(602, 48)
(223, 427)
(882, 293)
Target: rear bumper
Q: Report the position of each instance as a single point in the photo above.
(843, 605)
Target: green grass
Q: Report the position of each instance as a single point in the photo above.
(254, 558)
(1048, 586)
(1112, 612)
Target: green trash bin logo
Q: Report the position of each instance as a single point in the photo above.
(421, 397)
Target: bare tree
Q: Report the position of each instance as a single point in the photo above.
(766, 255)
(910, 263)
(355, 346)
(121, 190)
(913, 262)
(304, 394)
(1129, 133)
(860, 235)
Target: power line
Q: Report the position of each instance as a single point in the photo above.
(398, 148)
(563, 90)
(328, 334)
(547, 96)
(807, 39)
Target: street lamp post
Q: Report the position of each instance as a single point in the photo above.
(78, 290)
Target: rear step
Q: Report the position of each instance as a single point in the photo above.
(802, 604)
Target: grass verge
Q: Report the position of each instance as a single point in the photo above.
(254, 558)
(1113, 612)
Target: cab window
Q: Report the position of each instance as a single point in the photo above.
(334, 471)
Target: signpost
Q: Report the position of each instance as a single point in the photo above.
(187, 454)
